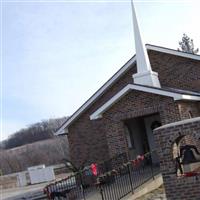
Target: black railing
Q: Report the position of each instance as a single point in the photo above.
(121, 181)
(116, 178)
(70, 188)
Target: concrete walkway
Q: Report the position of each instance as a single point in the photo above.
(158, 194)
(148, 188)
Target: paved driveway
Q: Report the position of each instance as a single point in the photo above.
(22, 192)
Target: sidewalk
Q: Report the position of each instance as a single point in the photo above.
(158, 194)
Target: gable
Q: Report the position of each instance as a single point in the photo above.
(171, 65)
(133, 87)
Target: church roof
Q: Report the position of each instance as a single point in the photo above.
(122, 71)
(179, 91)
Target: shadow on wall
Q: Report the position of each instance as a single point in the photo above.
(186, 154)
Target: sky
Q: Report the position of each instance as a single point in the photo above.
(56, 54)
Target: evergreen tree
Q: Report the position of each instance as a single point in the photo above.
(187, 45)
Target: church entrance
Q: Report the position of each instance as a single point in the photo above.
(139, 134)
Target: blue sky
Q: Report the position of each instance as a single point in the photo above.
(55, 55)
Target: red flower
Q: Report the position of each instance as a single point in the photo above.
(94, 169)
(140, 157)
(135, 162)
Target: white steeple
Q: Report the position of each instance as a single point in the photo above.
(144, 75)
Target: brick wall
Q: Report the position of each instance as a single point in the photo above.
(91, 140)
(135, 104)
(176, 72)
(188, 109)
(101, 139)
(87, 142)
(177, 187)
(189, 140)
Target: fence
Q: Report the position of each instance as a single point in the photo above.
(117, 183)
(116, 178)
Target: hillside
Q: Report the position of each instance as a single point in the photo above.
(49, 152)
(34, 145)
(35, 132)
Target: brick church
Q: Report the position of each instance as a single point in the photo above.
(155, 87)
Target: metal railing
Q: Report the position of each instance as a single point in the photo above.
(70, 188)
(116, 178)
(116, 184)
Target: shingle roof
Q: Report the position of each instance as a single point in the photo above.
(180, 91)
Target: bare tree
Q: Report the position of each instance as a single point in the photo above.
(187, 45)
(49, 152)
(35, 132)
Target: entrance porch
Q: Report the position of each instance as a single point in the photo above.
(139, 135)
